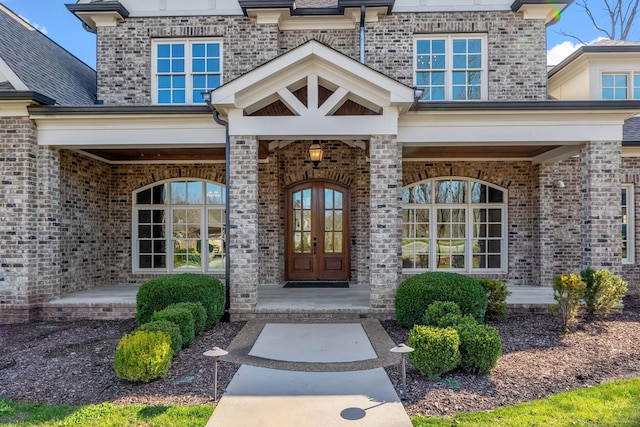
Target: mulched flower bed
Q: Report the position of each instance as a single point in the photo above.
(72, 363)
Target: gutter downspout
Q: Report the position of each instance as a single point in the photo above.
(363, 9)
(227, 260)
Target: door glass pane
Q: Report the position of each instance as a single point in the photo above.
(328, 242)
(338, 200)
(302, 221)
(328, 199)
(328, 221)
(337, 221)
(337, 242)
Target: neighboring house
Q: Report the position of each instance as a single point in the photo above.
(441, 151)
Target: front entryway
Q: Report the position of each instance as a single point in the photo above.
(317, 231)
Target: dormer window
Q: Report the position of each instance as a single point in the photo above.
(620, 85)
(185, 68)
(451, 68)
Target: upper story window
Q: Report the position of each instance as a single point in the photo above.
(451, 68)
(178, 226)
(183, 69)
(620, 85)
(627, 223)
(454, 224)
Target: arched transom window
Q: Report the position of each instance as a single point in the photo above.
(179, 225)
(454, 224)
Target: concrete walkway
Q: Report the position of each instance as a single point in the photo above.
(344, 385)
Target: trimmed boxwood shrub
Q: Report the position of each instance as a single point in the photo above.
(182, 317)
(143, 356)
(497, 294)
(416, 293)
(156, 294)
(480, 347)
(168, 328)
(437, 310)
(198, 312)
(451, 320)
(436, 349)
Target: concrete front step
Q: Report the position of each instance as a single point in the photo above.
(311, 314)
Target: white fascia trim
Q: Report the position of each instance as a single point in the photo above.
(282, 17)
(548, 12)
(100, 19)
(630, 151)
(14, 108)
(311, 127)
(143, 131)
(555, 127)
(12, 77)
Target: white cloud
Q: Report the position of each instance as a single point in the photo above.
(35, 25)
(560, 51)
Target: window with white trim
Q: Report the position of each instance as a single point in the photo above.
(620, 85)
(451, 68)
(454, 224)
(179, 225)
(627, 224)
(185, 68)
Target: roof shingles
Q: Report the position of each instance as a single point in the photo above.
(42, 65)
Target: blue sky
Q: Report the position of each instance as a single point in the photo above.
(52, 18)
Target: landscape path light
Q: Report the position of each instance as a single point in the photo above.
(216, 353)
(403, 349)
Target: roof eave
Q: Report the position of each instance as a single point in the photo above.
(543, 105)
(87, 12)
(26, 95)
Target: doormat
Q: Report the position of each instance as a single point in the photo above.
(316, 284)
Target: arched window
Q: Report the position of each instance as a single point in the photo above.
(179, 225)
(454, 224)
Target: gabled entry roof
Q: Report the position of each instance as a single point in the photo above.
(312, 91)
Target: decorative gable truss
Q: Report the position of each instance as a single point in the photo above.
(312, 91)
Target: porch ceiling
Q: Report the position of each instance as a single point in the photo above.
(477, 152)
(151, 154)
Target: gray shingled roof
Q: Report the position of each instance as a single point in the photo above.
(631, 132)
(42, 65)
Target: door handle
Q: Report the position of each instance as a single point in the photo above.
(315, 245)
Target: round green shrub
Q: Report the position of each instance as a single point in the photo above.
(182, 317)
(451, 320)
(480, 347)
(438, 310)
(143, 356)
(416, 293)
(198, 312)
(156, 294)
(436, 349)
(168, 328)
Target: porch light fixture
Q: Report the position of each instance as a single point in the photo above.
(316, 153)
(403, 349)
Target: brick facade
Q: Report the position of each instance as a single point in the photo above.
(243, 223)
(124, 53)
(67, 218)
(601, 211)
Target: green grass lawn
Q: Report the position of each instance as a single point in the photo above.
(614, 404)
(102, 415)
